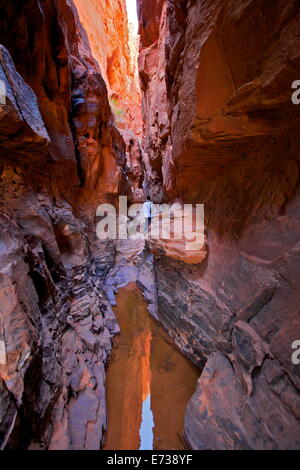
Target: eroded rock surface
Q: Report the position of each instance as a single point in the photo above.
(61, 156)
(115, 48)
(220, 129)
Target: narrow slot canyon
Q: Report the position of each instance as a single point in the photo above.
(146, 342)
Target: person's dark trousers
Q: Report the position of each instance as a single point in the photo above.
(147, 223)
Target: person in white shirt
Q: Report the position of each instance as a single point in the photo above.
(149, 213)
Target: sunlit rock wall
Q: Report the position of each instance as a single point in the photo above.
(115, 47)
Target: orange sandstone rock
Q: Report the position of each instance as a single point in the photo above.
(61, 155)
(115, 48)
(221, 129)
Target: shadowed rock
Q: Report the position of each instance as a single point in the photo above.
(21, 126)
(221, 129)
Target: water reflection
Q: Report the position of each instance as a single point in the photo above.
(146, 431)
(148, 382)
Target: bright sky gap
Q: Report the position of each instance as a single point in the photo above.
(132, 14)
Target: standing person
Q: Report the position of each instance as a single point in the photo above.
(149, 213)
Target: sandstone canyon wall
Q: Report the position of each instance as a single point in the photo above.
(61, 155)
(220, 129)
(115, 48)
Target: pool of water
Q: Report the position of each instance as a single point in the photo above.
(149, 382)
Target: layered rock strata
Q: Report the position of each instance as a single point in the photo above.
(115, 47)
(61, 156)
(221, 129)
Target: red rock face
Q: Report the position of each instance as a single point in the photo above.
(115, 48)
(220, 129)
(55, 59)
(61, 155)
(152, 18)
